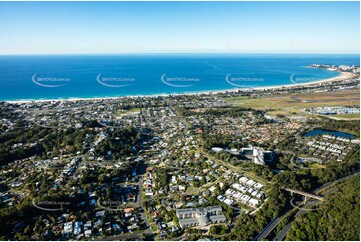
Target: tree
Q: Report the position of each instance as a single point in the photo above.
(336, 219)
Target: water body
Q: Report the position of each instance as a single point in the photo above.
(36, 77)
(329, 132)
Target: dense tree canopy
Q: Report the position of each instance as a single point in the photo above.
(337, 219)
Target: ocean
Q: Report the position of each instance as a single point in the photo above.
(37, 77)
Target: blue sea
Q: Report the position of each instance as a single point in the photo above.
(36, 77)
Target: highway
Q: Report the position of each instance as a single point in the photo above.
(282, 234)
(288, 226)
(271, 226)
(268, 229)
(328, 184)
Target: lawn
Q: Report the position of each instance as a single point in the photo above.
(347, 116)
(124, 112)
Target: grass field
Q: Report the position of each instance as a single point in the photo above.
(119, 113)
(349, 116)
(295, 103)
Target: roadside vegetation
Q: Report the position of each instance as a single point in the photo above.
(337, 219)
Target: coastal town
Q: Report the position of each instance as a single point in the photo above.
(180, 120)
(172, 167)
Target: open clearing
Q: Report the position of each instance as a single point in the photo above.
(295, 103)
(119, 113)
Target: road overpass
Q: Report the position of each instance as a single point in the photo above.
(282, 234)
(306, 194)
(273, 224)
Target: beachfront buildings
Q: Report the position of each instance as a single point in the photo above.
(200, 216)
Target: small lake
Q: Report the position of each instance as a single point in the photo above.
(329, 132)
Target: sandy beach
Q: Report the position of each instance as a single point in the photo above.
(342, 76)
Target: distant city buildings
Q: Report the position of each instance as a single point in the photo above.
(353, 68)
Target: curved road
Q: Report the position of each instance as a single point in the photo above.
(273, 224)
(282, 234)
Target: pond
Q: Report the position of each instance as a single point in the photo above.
(329, 132)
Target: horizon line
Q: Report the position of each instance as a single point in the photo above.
(179, 53)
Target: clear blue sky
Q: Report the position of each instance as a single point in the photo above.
(170, 27)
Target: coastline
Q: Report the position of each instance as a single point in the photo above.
(340, 77)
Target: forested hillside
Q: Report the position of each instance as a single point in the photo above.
(337, 219)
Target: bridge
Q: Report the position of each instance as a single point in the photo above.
(306, 194)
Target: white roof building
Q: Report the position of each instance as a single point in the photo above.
(258, 186)
(245, 198)
(253, 202)
(250, 182)
(243, 180)
(217, 149)
(88, 233)
(228, 201)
